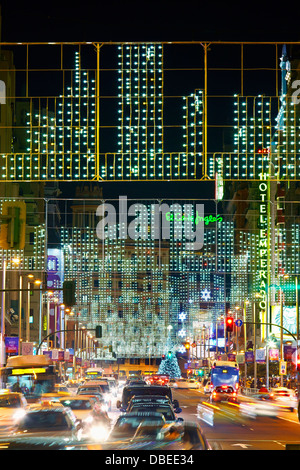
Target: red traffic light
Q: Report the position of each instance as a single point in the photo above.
(229, 324)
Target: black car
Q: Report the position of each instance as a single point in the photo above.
(136, 390)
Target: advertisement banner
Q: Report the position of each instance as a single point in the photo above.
(12, 344)
(274, 354)
(249, 356)
(260, 356)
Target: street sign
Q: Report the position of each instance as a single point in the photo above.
(238, 322)
(282, 368)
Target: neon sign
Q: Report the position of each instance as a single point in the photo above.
(263, 246)
(207, 219)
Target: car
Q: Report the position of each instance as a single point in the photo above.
(62, 390)
(91, 389)
(161, 437)
(180, 436)
(155, 399)
(186, 383)
(259, 404)
(135, 390)
(207, 386)
(81, 405)
(97, 396)
(193, 383)
(180, 383)
(159, 379)
(13, 405)
(127, 424)
(113, 386)
(51, 420)
(223, 393)
(285, 397)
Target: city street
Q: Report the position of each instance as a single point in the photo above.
(233, 431)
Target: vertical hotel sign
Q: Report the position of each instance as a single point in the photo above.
(263, 247)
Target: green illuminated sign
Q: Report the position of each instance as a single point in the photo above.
(207, 219)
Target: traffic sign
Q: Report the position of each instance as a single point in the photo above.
(282, 368)
(238, 322)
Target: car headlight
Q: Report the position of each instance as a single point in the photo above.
(98, 433)
(19, 414)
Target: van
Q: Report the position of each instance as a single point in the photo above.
(137, 390)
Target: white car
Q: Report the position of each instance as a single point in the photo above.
(259, 405)
(186, 383)
(285, 397)
(192, 383)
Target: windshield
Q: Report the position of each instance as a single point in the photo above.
(43, 420)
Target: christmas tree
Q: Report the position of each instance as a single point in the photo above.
(169, 365)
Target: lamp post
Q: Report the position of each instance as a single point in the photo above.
(245, 337)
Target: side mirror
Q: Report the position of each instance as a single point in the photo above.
(178, 410)
(179, 420)
(176, 403)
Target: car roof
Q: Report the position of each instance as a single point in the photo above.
(146, 386)
(51, 406)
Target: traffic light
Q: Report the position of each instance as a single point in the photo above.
(170, 354)
(229, 324)
(13, 225)
(69, 298)
(98, 331)
(187, 345)
(163, 357)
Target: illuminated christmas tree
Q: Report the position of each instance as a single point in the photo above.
(169, 365)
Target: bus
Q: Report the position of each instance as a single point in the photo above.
(94, 373)
(31, 375)
(224, 373)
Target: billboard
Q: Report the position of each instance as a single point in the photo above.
(289, 320)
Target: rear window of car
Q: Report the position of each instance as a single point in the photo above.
(77, 404)
(224, 390)
(165, 410)
(10, 401)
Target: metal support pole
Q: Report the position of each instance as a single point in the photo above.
(3, 358)
(20, 312)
